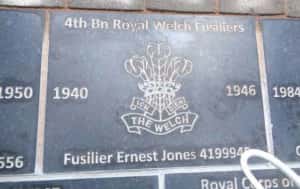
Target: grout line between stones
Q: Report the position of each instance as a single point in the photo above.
(66, 4)
(145, 11)
(217, 7)
(264, 87)
(160, 173)
(161, 181)
(285, 7)
(43, 98)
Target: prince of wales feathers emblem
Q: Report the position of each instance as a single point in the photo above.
(159, 111)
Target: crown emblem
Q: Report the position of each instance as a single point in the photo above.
(161, 112)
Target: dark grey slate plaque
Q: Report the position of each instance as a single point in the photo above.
(281, 41)
(20, 57)
(126, 92)
(109, 183)
(270, 179)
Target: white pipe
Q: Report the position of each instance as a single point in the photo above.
(276, 162)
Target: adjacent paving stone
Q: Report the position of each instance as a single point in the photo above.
(252, 6)
(128, 91)
(271, 179)
(282, 39)
(182, 5)
(20, 55)
(108, 4)
(109, 183)
(293, 8)
(33, 3)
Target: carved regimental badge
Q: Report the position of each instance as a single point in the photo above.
(159, 111)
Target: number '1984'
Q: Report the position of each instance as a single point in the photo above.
(286, 92)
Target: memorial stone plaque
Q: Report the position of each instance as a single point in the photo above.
(270, 179)
(128, 91)
(20, 62)
(281, 42)
(109, 183)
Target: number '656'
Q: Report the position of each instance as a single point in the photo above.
(11, 162)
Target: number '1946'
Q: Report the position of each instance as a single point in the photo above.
(241, 90)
